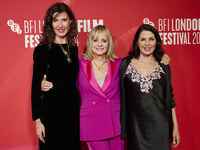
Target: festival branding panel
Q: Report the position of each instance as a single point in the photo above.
(178, 23)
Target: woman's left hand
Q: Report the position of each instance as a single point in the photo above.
(165, 59)
(176, 137)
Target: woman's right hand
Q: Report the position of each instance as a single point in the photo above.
(165, 59)
(40, 130)
(46, 85)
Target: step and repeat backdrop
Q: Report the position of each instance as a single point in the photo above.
(178, 22)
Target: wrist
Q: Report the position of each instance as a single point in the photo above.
(37, 122)
(176, 127)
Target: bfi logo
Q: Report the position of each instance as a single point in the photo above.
(14, 26)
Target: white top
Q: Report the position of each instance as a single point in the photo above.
(100, 78)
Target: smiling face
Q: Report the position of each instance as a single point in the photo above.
(99, 44)
(61, 25)
(146, 43)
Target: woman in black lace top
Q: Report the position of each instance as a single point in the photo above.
(147, 103)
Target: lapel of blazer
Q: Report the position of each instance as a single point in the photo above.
(87, 68)
(109, 75)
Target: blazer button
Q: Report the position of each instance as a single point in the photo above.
(108, 100)
(94, 103)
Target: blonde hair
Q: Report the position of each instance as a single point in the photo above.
(88, 55)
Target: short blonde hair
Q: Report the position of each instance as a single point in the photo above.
(88, 55)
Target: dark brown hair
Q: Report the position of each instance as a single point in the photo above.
(48, 35)
(158, 52)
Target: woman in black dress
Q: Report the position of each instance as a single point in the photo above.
(148, 115)
(56, 112)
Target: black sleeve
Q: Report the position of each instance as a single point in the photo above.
(75, 61)
(39, 67)
(76, 58)
(173, 103)
(170, 101)
(123, 67)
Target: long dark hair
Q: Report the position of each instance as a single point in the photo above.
(48, 35)
(158, 52)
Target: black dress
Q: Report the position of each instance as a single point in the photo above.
(58, 108)
(147, 123)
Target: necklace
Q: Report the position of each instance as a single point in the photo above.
(66, 52)
(99, 67)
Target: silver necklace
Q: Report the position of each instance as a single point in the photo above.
(66, 52)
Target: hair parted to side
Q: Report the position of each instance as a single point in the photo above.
(158, 52)
(48, 35)
(88, 55)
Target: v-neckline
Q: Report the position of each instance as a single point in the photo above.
(94, 74)
(144, 76)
